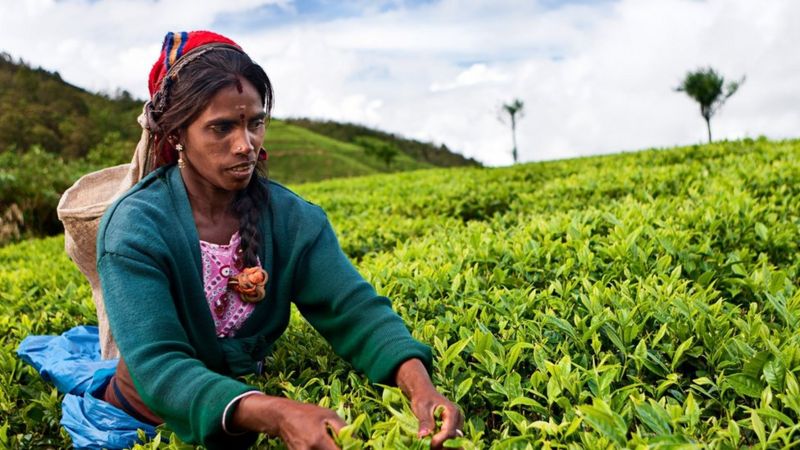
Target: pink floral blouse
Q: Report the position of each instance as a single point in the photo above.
(221, 261)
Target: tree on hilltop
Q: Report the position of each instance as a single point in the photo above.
(706, 87)
(515, 111)
(378, 148)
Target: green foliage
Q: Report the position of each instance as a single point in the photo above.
(37, 108)
(641, 300)
(46, 128)
(384, 151)
(111, 151)
(41, 292)
(439, 156)
(705, 86)
(297, 155)
(33, 181)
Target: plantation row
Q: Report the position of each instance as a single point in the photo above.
(639, 299)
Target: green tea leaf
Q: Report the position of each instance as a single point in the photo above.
(745, 385)
(676, 357)
(604, 420)
(754, 365)
(775, 373)
(463, 388)
(654, 417)
(758, 428)
(762, 231)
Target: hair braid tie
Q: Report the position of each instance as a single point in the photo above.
(250, 283)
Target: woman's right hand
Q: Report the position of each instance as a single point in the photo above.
(299, 425)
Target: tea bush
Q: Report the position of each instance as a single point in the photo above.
(644, 300)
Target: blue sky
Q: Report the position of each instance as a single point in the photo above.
(287, 14)
(306, 11)
(595, 76)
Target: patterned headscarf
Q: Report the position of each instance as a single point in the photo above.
(179, 44)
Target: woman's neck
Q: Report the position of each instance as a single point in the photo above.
(211, 208)
(214, 208)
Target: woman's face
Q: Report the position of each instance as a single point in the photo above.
(221, 145)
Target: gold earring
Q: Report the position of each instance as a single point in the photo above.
(181, 162)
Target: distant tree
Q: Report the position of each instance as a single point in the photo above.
(515, 111)
(378, 148)
(123, 94)
(705, 86)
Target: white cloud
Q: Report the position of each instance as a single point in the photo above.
(595, 77)
(475, 74)
(91, 43)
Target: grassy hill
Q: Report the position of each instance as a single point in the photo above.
(298, 155)
(440, 156)
(38, 108)
(52, 132)
(641, 300)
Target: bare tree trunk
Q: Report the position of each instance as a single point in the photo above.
(514, 137)
(708, 125)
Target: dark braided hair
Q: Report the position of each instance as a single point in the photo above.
(247, 205)
(183, 97)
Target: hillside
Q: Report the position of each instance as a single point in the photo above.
(440, 156)
(297, 155)
(644, 299)
(52, 132)
(37, 107)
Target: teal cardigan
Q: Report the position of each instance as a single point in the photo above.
(148, 258)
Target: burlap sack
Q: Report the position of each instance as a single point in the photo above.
(80, 209)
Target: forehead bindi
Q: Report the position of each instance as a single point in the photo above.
(229, 104)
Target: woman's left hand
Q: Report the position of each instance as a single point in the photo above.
(413, 380)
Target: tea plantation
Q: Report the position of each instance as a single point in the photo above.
(638, 300)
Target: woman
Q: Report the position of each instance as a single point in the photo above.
(200, 260)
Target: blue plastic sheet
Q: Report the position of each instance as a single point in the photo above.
(72, 362)
(69, 361)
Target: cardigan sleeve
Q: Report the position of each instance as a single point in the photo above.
(359, 324)
(168, 376)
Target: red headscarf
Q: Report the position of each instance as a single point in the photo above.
(177, 45)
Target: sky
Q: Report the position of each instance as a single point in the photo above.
(595, 76)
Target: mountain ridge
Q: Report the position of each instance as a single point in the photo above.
(38, 107)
